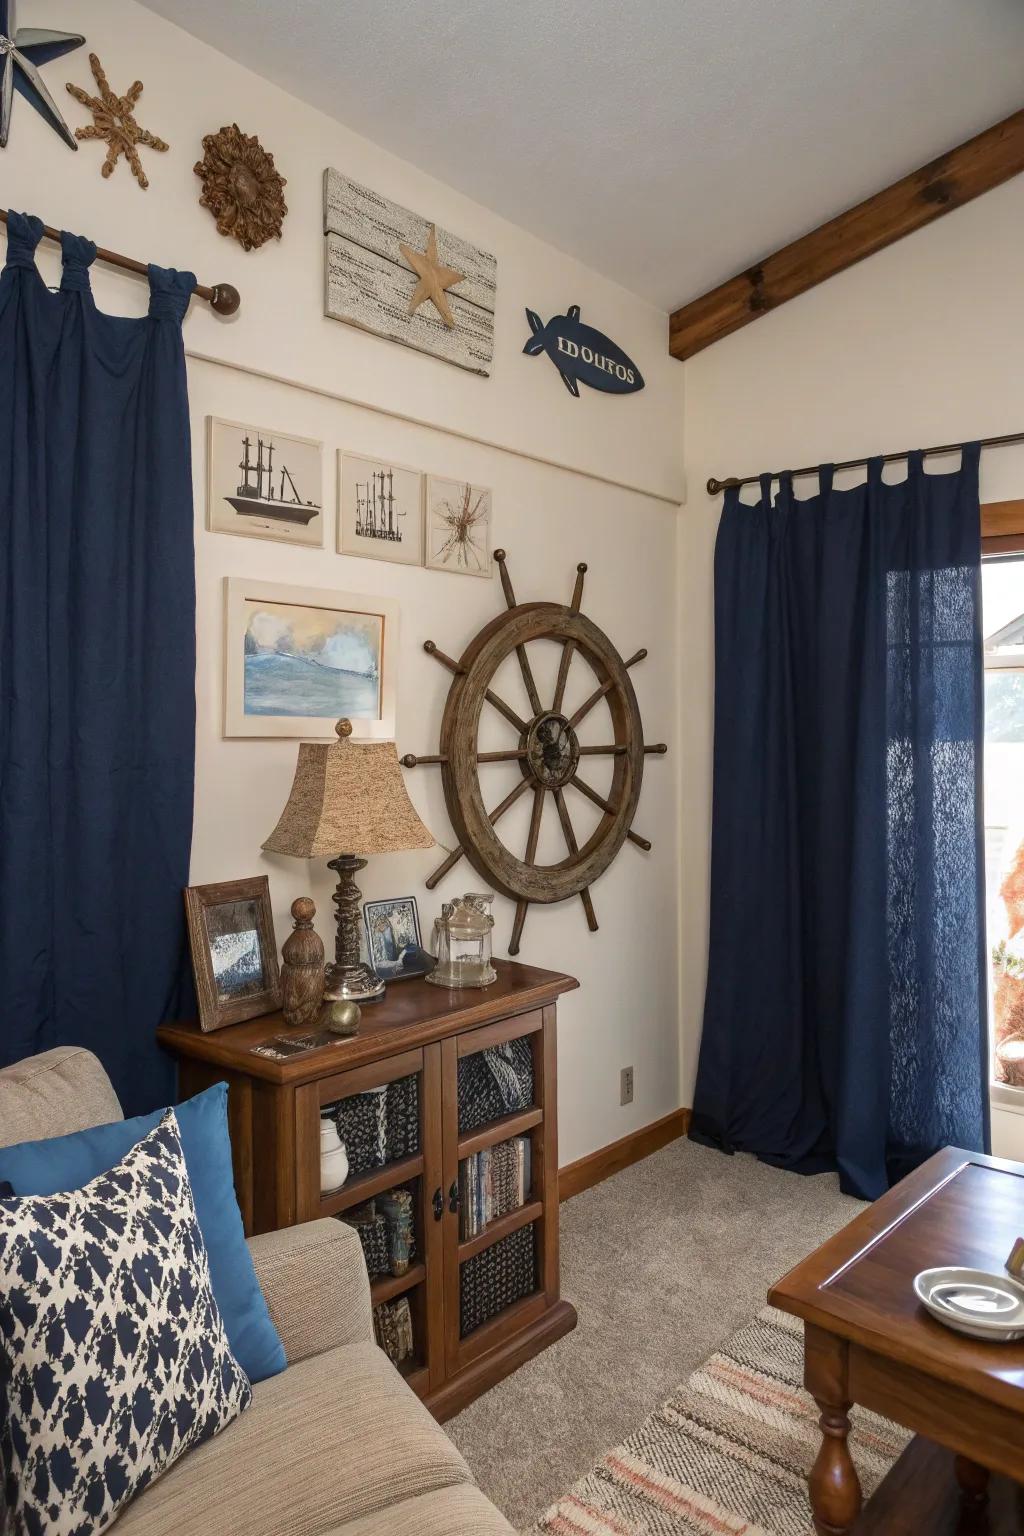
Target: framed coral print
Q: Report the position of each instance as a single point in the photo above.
(380, 510)
(458, 527)
(299, 658)
(263, 484)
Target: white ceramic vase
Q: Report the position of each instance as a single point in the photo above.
(333, 1158)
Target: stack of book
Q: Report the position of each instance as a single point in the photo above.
(492, 1183)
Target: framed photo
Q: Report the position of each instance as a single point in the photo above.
(380, 510)
(458, 527)
(263, 484)
(234, 951)
(299, 658)
(393, 944)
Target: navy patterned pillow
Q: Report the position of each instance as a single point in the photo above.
(113, 1355)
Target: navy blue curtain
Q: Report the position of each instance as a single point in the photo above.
(97, 666)
(844, 1021)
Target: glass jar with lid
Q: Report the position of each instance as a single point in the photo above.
(462, 943)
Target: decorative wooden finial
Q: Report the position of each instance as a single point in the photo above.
(302, 973)
(343, 729)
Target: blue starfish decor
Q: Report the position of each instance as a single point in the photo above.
(21, 50)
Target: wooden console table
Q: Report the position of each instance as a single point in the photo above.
(417, 1029)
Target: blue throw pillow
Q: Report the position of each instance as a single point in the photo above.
(66, 1163)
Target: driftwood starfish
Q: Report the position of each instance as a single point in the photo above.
(434, 278)
(114, 123)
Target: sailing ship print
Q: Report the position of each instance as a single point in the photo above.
(256, 495)
(263, 483)
(377, 516)
(380, 509)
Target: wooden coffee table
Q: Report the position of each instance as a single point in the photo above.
(869, 1341)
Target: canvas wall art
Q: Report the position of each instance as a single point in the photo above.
(299, 658)
(263, 484)
(458, 527)
(380, 510)
(380, 260)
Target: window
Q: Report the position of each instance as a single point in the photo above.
(1003, 617)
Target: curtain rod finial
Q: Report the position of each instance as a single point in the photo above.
(714, 486)
(226, 300)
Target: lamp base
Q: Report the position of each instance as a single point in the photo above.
(353, 983)
(349, 978)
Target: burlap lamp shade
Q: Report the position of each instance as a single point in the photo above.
(348, 798)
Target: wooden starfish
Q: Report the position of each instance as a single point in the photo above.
(433, 278)
(114, 123)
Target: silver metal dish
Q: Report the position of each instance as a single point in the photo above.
(975, 1302)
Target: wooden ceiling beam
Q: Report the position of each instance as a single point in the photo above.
(954, 178)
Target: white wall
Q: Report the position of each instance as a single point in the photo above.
(548, 519)
(921, 344)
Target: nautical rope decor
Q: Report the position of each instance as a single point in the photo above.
(114, 123)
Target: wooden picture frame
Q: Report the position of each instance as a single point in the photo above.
(305, 618)
(234, 951)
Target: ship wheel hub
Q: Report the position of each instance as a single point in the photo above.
(552, 750)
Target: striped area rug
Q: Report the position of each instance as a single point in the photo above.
(727, 1455)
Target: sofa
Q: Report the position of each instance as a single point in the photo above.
(337, 1443)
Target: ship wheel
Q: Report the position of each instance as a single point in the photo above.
(548, 751)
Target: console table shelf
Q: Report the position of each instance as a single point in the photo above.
(499, 1130)
(416, 1032)
(356, 1191)
(390, 1286)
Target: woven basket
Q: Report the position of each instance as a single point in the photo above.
(372, 1231)
(495, 1082)
(497, 1278)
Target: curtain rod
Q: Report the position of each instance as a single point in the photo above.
(222, 297)
(714, 486)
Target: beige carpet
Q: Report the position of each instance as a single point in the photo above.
(663, 1263)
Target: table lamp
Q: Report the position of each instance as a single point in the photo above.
(351, 795)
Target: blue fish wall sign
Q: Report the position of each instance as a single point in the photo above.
(583, 355)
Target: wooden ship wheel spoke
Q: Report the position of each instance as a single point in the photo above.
(548, 753)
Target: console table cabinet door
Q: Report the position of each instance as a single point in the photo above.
(419, 1168)
(525, 1237)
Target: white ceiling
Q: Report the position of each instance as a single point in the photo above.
(666, 143)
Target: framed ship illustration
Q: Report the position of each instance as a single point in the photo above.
(380, 509)
(264, 484)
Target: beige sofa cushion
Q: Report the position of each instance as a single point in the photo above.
(461, 1511)
(53, 1094)
(331, 1440)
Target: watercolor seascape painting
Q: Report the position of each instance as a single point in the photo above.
(309, 661)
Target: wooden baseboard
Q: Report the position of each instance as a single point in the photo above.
(574, 1178)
